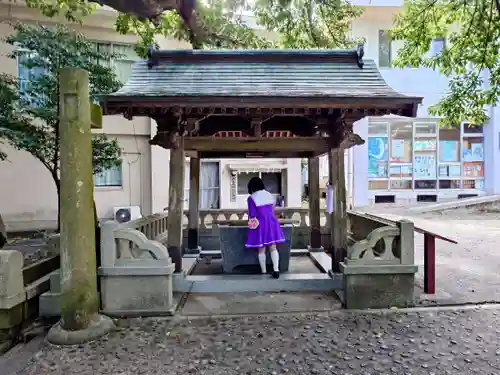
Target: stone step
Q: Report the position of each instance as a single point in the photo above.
(55, 282)
(303, 282)
(49, 305)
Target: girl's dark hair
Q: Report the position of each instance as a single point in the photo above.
(255, 184)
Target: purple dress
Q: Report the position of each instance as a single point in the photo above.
(269, 232)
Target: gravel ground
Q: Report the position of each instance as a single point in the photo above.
(446, 342)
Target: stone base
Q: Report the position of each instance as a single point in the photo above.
(133, 290)
(98, 328)
(379, 290)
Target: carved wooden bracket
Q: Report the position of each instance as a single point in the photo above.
(167, 139)
(351, 140)
(256, 124)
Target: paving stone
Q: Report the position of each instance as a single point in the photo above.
(360, 344)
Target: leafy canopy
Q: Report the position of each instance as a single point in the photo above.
(29, 117)
(294, 23)
(305, 24)
(470, 58)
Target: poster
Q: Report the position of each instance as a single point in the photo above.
(377, 156)
(425, 167)
(473, 169)
(397, 149)
(455, 170)
(474, 153)
(448, 151)
(425, 145)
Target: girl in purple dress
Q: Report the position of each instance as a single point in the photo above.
(263, 228)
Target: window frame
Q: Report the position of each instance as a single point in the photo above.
(389, 49)
(109, 185)
(113, 61)
(259, 174)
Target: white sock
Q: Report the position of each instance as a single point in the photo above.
(275, 257)
(262, 262)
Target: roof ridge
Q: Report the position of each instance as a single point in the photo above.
(257, 55)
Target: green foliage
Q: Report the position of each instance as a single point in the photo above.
(72, 10)
(220, 20)
(30, 120)
(472, 32)
(309, 23)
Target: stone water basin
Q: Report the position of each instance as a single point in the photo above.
(233, 236)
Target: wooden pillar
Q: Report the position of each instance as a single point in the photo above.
(194, 205)
(338, 220)
(176, 204)
(314, 206)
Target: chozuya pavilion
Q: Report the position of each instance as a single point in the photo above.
(256, 104)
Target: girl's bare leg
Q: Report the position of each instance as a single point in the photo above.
(262, 259)
(275, 257)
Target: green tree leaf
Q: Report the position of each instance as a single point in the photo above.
(470, 58)
(29, 121)
(309, 23)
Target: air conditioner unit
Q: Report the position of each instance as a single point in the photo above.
(126, 213)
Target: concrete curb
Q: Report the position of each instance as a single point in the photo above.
(462, 203)
(343, 312)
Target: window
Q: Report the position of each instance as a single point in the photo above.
(27, 75)
(384, 49)
(243, 179)
(122, 65)
(272, 181)
(437, 46)
(209, 185)
(111, 177)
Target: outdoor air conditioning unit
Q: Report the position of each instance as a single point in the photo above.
(126, 213)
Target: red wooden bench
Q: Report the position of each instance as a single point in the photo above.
(429, 253)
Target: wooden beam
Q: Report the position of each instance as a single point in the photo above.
(254, 144)
(314, 207)
(176, 205)
(338, 220)
(194, 204)
(261, 155)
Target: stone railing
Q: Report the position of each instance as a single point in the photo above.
(379, 270)
(136, 269)
(300, 216)
(377, 242)
(20, 288)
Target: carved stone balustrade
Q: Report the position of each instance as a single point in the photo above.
(136, 269)
(379, 270)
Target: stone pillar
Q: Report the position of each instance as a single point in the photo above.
(194, 206)
(176, 205)
(80, 320)
(338, 220)
(314, 205)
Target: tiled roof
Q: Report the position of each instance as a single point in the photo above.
(265, 73)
